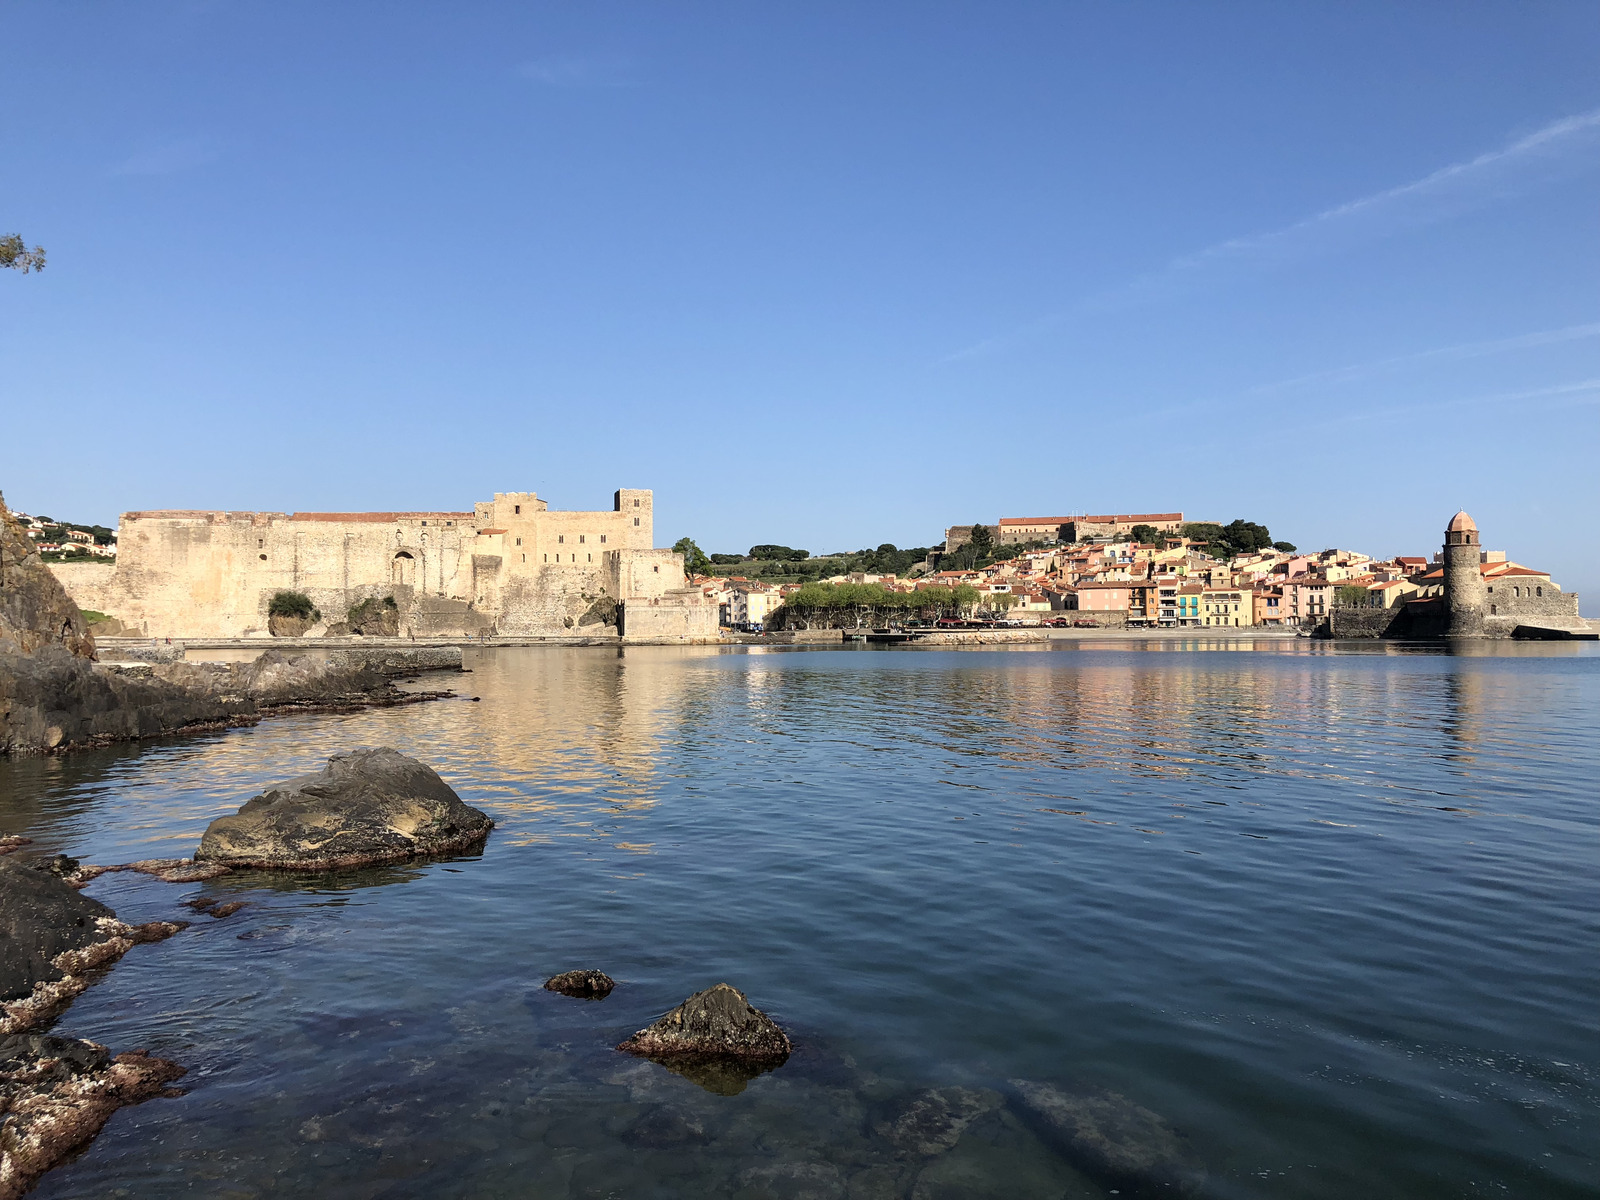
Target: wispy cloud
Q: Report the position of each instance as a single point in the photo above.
(1493, 175)
(1580, 394)
(168, 156)
(604, 71)
(1524, 341)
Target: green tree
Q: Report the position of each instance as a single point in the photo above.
(695, 561)
(1286, 547)
(15, 255)
(1351, 596)
(1149, 535)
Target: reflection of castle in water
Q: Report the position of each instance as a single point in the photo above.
(566, 724)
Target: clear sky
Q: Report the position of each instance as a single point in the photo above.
(826, 275)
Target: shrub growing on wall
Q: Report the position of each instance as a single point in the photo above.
(292, 604)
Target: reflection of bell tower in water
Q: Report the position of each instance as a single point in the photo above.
(1464, 594)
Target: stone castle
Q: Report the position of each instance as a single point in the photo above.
(509, 567)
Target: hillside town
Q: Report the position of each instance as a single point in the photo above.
(1140, 570)
(59, 541)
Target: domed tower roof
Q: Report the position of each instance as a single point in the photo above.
(1461, 523)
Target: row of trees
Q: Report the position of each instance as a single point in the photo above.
(1233, 539)
(866, 603)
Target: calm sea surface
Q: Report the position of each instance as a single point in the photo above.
(1330, 910)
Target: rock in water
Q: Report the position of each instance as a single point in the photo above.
(585, 985)
(934, 1120)
(366, 806)
(57, 1093)
(52, 937)
(716, 1038)
(1114, 1140)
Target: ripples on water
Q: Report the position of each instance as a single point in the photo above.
(1328, 909)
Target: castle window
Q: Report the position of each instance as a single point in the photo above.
(636, 505)
(561, 538)
(524, 558)
(517, 508)
(547, 558)
(591, 558)
(656, 569)
(424, 522)
(1493, 610)
(580, 539)
(636, 519)
(1517, 592)
(263, 558)
(602, 539)
(519, 541)
(1540, 591)
(260, 542)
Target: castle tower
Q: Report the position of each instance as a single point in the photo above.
(1464, 594)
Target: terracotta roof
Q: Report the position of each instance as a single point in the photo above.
(1461, 523)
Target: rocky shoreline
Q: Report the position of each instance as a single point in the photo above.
(55, 695)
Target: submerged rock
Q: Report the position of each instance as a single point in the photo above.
(53, 938)
(662, 1128)
(718, 1021)
(1115, 1141)
(585, 985)
(934, 1120)
(366, 806)
(57, 1093)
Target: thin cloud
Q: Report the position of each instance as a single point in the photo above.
(1580, 394)
(168, 157)
(1491, 176)
(578, 72)
(1525, 341)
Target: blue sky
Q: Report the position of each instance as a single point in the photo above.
(824, 275)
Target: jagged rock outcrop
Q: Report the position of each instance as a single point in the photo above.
(282, 626)
(715, 1038)
(52, 938)
(585, 985)
(35, 610)
(56, 1095)
(366, 806)
(1115, 1141)
(375, 618)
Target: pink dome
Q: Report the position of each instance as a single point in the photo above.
(1461, 523)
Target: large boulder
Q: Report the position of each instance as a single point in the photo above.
(41, 916)
(52, 939)
(716, 1038)
(57, 1093)
(1113, 1140)
(367, 806)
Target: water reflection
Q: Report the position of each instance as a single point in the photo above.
(1323, 908)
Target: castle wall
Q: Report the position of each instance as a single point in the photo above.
(509, 566)
(90, 584)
